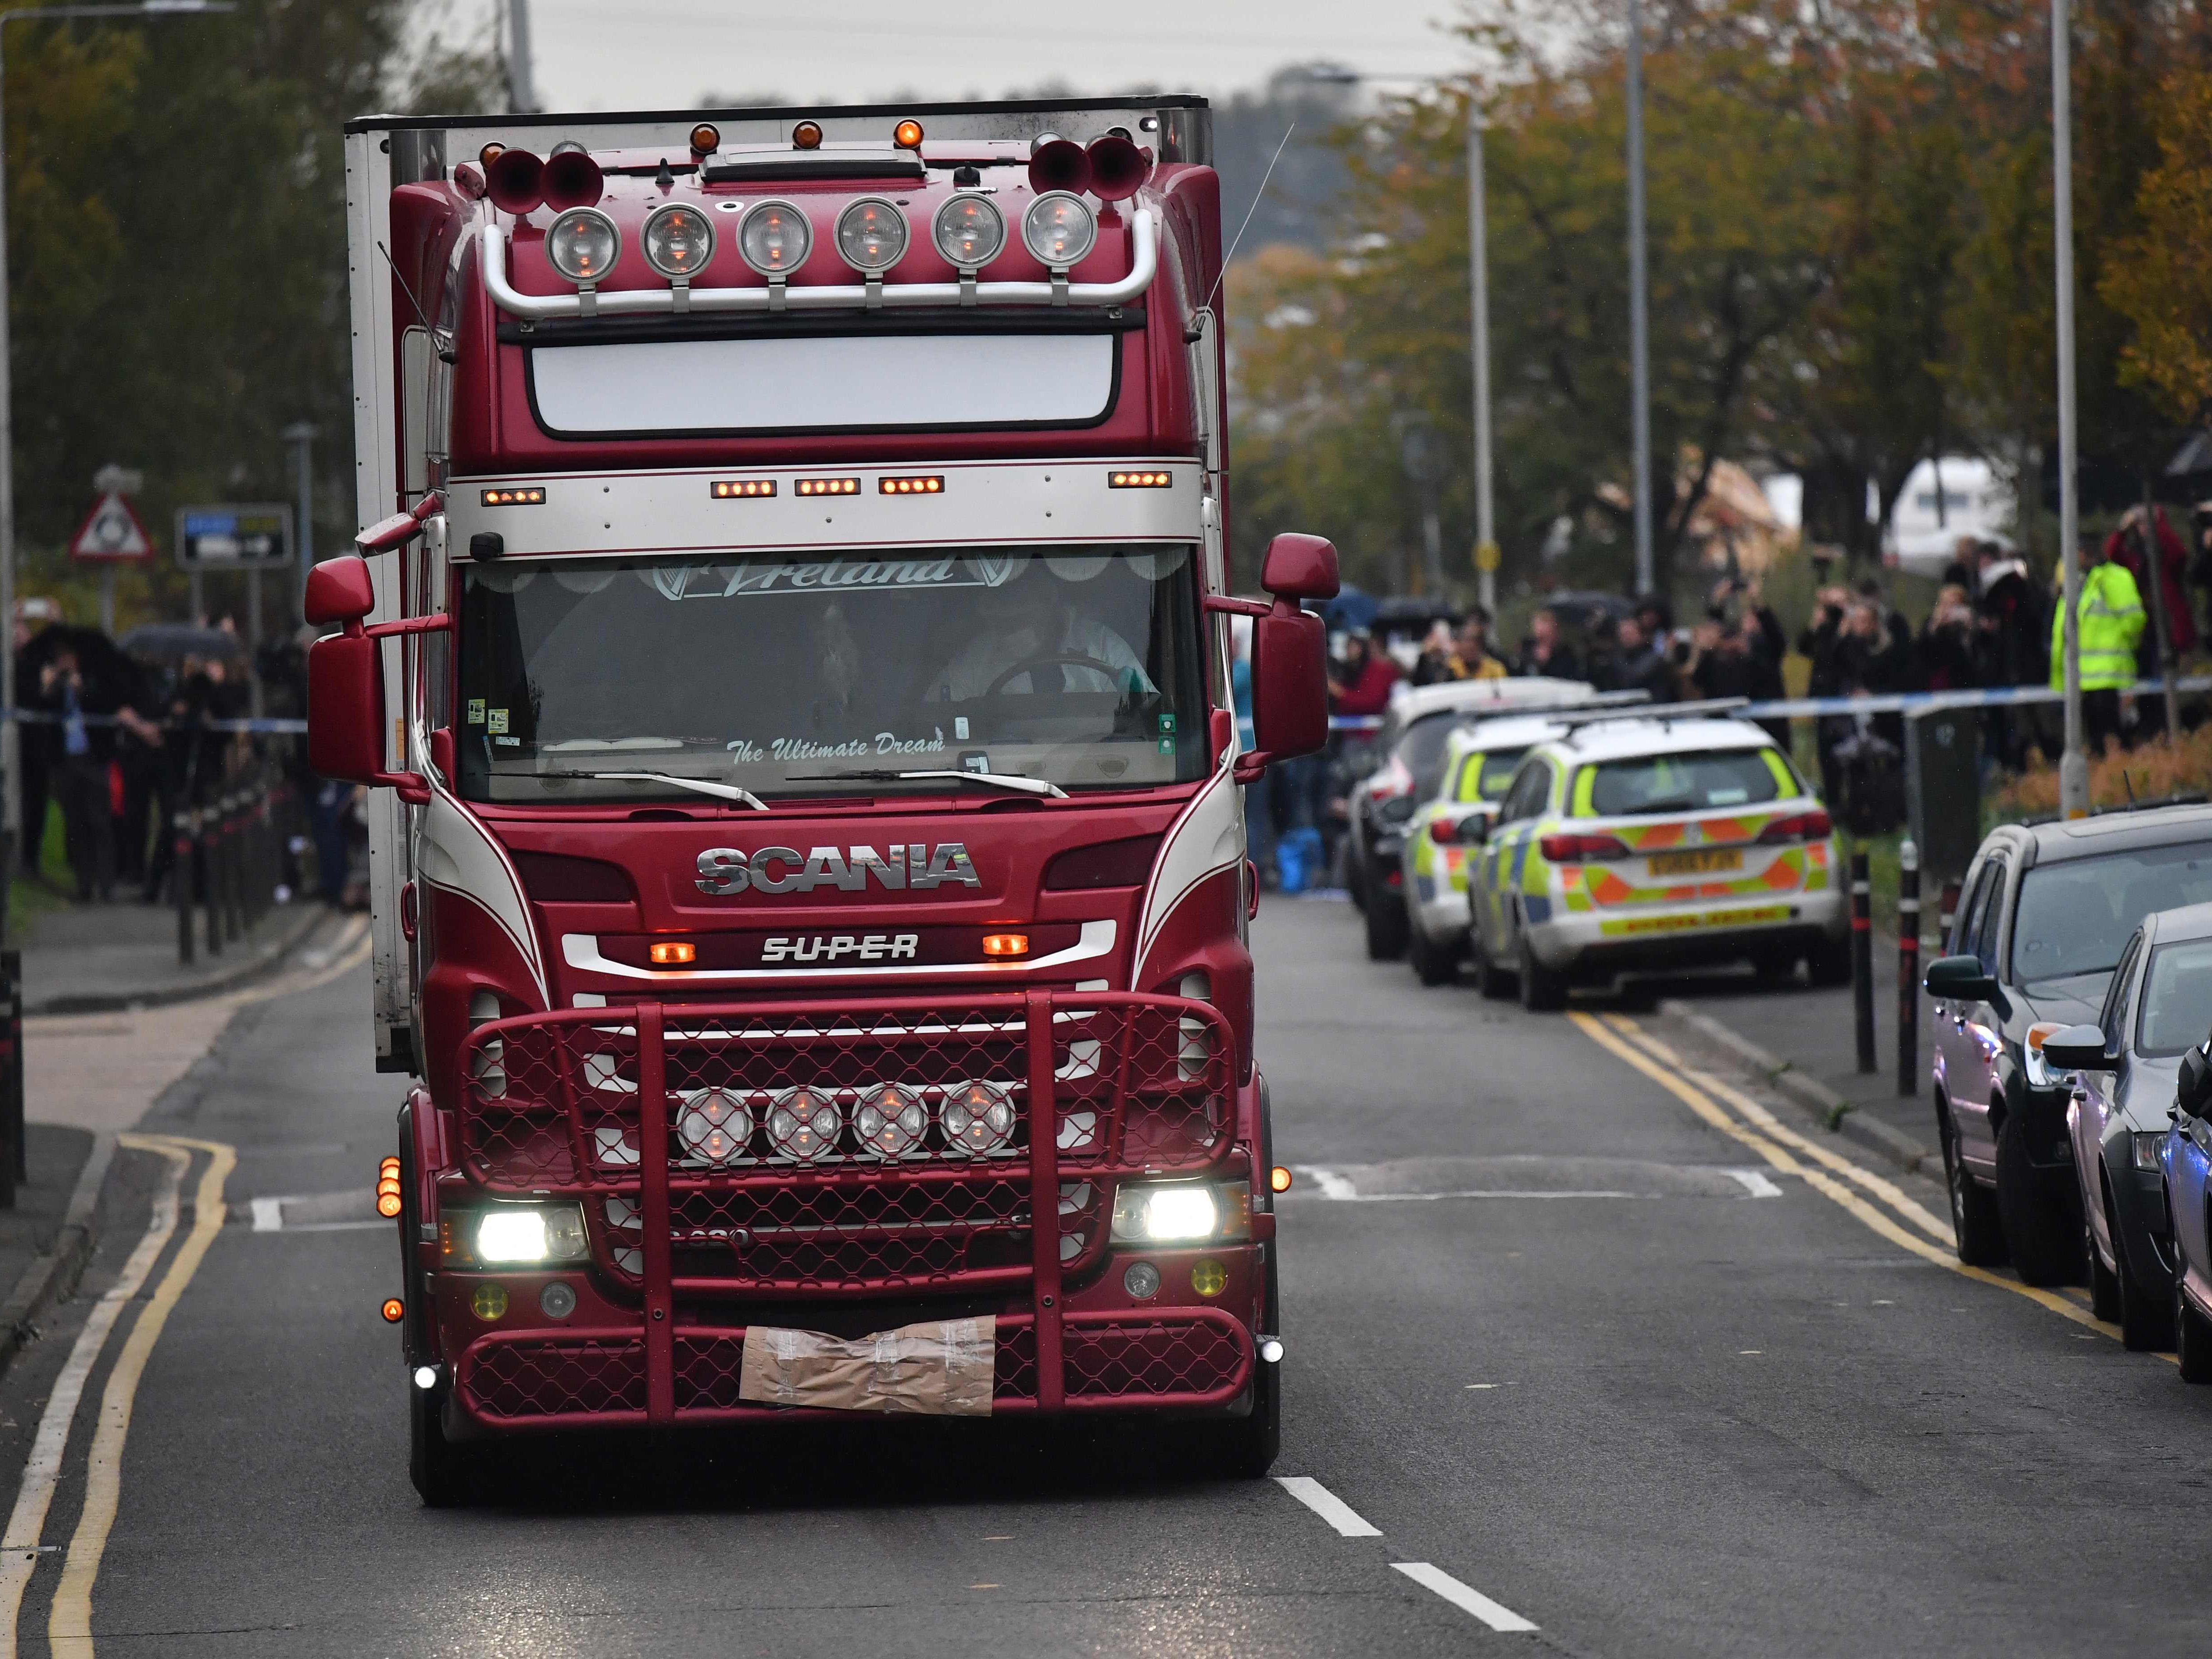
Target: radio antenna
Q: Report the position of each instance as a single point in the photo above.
(1248, 212)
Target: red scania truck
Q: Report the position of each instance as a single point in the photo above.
(789, 654)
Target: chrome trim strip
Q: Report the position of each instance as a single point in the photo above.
(582, 950)
(1143, 266)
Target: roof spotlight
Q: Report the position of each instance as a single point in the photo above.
(871, 233)
(582, 244)
(969, 231)
(1058, 229)
(775, 238)
(678, 240)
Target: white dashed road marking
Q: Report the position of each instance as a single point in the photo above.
(1755, 1183)
(1461, 1596)
(1327, 1505)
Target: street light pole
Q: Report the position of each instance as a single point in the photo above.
(2073, 763)
(301, 435)
(1639, 321)
(1477, 261)
(520, 91)
(11, 791)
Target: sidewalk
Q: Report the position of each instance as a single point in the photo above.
(87, 958)
(1812, 1033)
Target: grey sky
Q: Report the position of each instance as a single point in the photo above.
(647, 54)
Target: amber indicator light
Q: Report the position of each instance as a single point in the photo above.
(742, 490)
(907, 135)
(388, 1202)
(931, 485)
(1279, 1179)
(705, 138)
(1139, 480)
(490, 154)
(672, 953)
(807, 135)
(533, 496)
(829, 486)
(394, 1310)
(1006, 944)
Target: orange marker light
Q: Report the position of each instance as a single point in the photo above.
(933, 484)
(829, 486)
(807, 135)
(1279, 1179)
(394, 1310)
(387, 1205)
(1140, 480)
(907, 135)
(1006, 944)
(673, 954)
(389, 1167)
(533, 496)
(490, 154)
(705, 138)
(738, 489)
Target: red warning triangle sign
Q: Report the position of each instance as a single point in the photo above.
(112, 531)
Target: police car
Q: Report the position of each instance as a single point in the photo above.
(1654, 843)
(1445, 831)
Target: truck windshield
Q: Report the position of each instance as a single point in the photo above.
(794, 674)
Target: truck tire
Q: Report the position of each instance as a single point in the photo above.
(1543, 990)
(2192, 1338)
(2038, 1235)
(1433, 963)
(1975, 1228)
(1829, 963)
(1249, 1448)
(1386, 925)
(443, 1473)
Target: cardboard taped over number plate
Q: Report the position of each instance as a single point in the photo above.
(942, 1368)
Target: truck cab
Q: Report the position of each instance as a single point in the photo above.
(787, 644)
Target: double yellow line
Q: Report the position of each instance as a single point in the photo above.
(69, 1623)
(1881, 1204)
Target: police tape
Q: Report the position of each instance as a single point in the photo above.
(1891, 703)
(266, 725)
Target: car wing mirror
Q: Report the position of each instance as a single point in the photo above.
(2077, 1048)
(1963, 979)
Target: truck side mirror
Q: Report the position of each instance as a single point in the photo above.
(1290, 684)
(2193, 1087)
(1963, 979)
(1299, 567)
(2077, 1048)
(339, 591)
(345, 716)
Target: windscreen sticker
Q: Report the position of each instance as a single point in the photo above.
(496, 721)
(476, 711)
(744, 751)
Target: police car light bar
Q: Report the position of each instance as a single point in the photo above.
(1665, 714)
(1144, 265)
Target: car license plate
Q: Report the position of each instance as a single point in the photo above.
(1702, 862)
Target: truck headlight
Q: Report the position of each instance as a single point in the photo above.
(522, 1233)
(1181, 1211)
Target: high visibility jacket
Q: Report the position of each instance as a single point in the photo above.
(2111, 621)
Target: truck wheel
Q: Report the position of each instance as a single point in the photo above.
(1974, 1225)
(1543, 990)
(2043, 1245)
(1249, 1448)
(1829, 963)
(1386, 925)
(1433, 963)
(2192, 1338)
(443, 1473)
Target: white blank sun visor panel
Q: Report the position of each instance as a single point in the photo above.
(824, 382)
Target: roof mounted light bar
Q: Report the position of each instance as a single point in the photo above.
(1628, 703)
(1665, 714)
(1144, 228)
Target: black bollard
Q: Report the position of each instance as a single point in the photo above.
(181, 880)
(1862, 958)
(1908, 970)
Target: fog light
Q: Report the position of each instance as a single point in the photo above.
(1209, 1278)
(426, 1377)
(489, 1303)
(891, 1121)
(978, 1120)
(804, 1125)
(1142, 1281)
(558, 1300)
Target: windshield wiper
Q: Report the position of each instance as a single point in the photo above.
(885, 774)
(720, 791)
